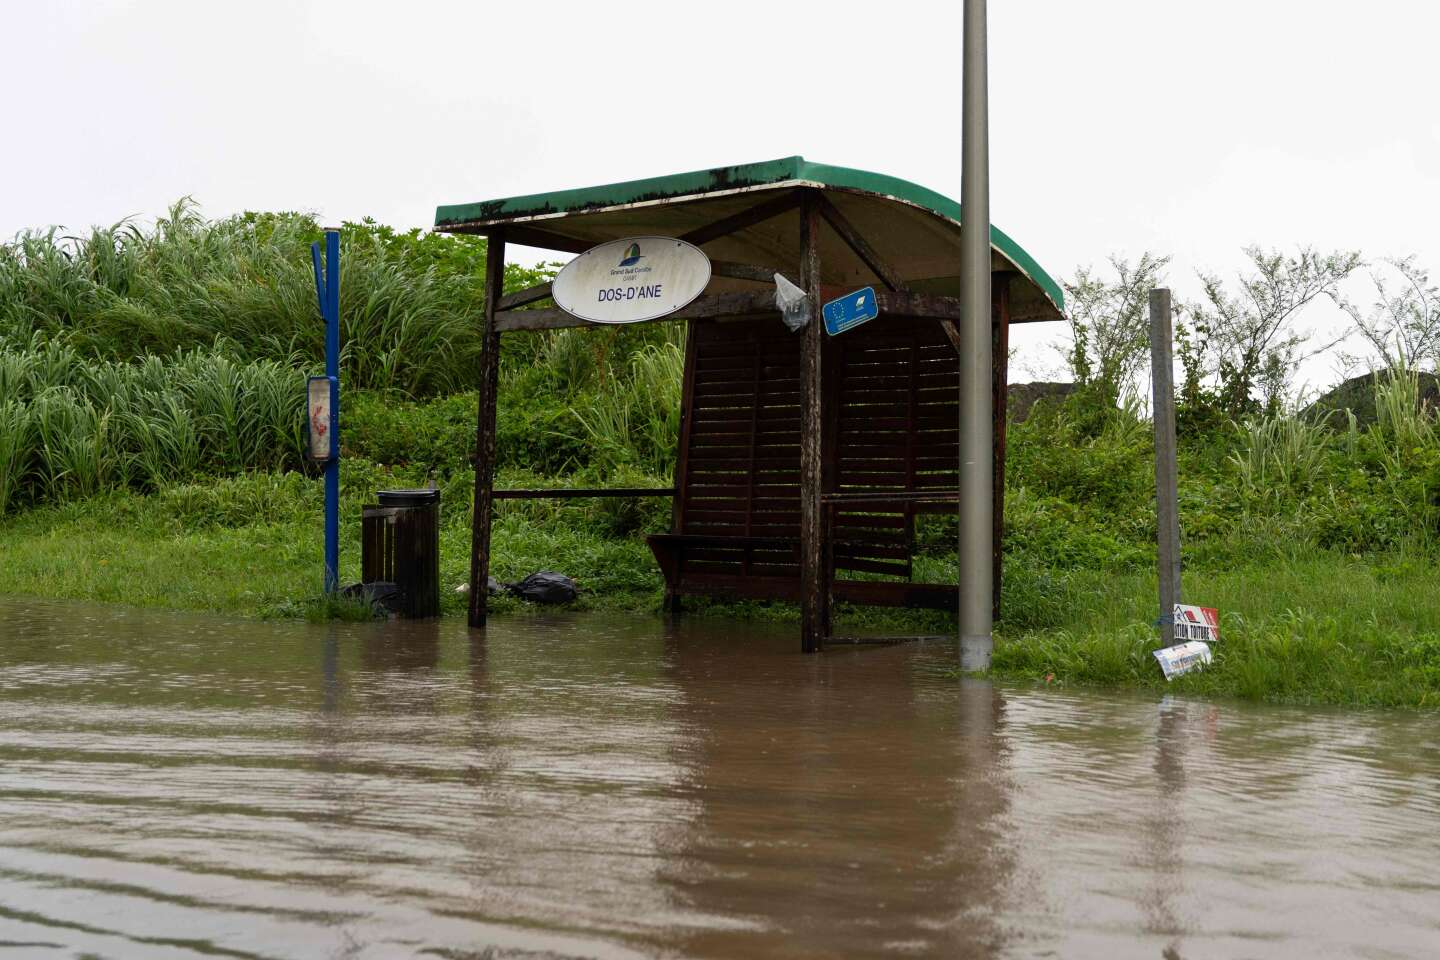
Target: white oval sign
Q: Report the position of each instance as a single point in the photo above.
(626, 281)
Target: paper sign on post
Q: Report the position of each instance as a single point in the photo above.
(1196, 623)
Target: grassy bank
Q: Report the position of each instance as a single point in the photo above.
(150, 406)
(1304, 627)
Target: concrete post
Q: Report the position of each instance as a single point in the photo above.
(1167, 506)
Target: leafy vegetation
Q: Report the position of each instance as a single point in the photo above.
(150, 417)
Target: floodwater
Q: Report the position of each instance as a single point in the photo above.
(178, 787)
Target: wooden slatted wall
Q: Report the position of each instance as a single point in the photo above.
(741, 467)
(892, 391)
(898, 395)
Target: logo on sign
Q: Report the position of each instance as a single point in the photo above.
(1196, 623)
(634, 279)
(850, 310)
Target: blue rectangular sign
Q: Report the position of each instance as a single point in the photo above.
(850, 310)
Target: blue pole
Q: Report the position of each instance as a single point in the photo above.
(330, 307)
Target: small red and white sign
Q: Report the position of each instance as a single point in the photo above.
(1196, 623)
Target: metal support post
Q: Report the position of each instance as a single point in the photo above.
(327, 291)
(976, 452)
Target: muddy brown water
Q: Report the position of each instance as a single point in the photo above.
(178, 787)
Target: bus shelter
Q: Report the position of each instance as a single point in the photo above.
(805, 457)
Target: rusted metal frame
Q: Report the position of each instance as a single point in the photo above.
(520, 298)
(565, 494)
(485, 432)
(712, 307)
(871, 257)
(749, 217)
(814, 612)
(1000, 360)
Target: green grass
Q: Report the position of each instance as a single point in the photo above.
(1304, 627)
(1323, 628)
(150, 413)
(251, 545)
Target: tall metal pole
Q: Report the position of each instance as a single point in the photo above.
(976, 451)
(327, 286)
(1167, 507)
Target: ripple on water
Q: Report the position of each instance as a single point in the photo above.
(175, 786)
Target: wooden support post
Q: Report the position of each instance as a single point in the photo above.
(814, 592)
(1000, 358)
(485, 432)
(856, 242)
(674, 602)
(1167, 507)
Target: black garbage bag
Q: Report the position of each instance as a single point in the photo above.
(385, 596)
(546, 587)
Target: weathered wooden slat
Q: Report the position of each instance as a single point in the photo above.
(736, 451)
(884, 464)
(759, 213)
(740, 360)
(722, 415)
(712, 307)
(900, 423)
(872, 520)
(574, 492)
(539, 237)
(699, 515)
(746, 271)
(541, 291)
(700, 428)
(872, 566)
(736, 375)
(863, 249)
(850, 546)
(941, 380)
(485, 433)
(736, 567)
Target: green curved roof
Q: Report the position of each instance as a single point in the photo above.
(719, 181)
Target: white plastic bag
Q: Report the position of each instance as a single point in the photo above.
(793, 302)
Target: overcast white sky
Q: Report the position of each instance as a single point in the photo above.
(1117, 125)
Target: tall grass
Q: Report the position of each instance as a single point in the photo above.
(1402, 418)
(635, 420)
(1280, 454)
(72, 426)
(409, 305)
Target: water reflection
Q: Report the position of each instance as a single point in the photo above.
(180, 786)
(840, 804)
